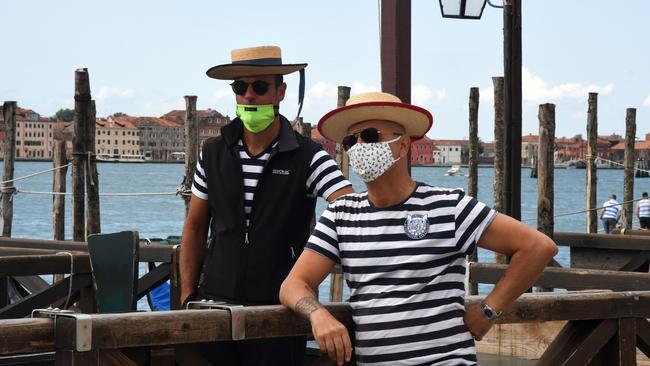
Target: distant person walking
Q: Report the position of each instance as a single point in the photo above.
(610, 213)
(643, 211)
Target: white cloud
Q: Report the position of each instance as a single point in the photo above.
(106, 92)
(646, 102)
(222, 95)
(421, 95)
(441, 94)
(537, 90)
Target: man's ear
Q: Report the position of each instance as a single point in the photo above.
(280, 91)
(405, 145)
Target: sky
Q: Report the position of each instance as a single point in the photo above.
(144, 56)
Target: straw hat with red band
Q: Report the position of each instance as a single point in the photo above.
(253, 61)
(375, 106)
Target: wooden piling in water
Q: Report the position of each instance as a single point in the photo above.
(497, 194)
(628, 178)
(545, 173)
(191, 146)
(79, 152)
(592, 136)
(341, 156)
(336, 279)
(8, 189)
(93, 221)
(58, 186)
(472, 183)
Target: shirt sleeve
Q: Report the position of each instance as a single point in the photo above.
(325, 177)
(200, 187)
(472, 218)
(324, 239)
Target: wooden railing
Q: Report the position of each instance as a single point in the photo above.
(598, 323)
(24, 260)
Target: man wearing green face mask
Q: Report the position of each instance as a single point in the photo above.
(254, 189)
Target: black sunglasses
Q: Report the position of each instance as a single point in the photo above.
(370, 135)
(260, 87)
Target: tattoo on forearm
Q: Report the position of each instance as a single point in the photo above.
(306, 306)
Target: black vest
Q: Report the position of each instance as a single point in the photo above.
(247, 266)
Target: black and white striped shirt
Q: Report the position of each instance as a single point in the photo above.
(406, 292)
(324, 176)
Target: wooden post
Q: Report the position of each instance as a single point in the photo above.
(592, 136)
(395, 51)
(93, 225)
(8, 189)
(336, 279)
(512, 107)
(497, 194)
(79, 150)
(191, 146)
(472, 184)
(628, 178)
(545, 195)
(58, 186)
(341, 156)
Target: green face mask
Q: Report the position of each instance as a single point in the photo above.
(256, 118)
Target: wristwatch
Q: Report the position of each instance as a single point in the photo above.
(488, 312)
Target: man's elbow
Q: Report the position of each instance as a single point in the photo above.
(284, 292)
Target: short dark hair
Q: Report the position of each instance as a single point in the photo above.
(645, 194)
(613, 196)
(279, 79)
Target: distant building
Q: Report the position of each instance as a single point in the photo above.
(34, 135)
(210, 122)
(450, 152)
(529, 147)
(641, 150)
(422, 152)
(116, 138)
(159, 138)
(328, 145)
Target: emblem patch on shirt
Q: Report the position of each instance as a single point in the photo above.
(416, 226)
(281, 171)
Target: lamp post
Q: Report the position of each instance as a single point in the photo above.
(473, 9)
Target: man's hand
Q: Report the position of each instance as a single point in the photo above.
(476, 322)
(332, 336)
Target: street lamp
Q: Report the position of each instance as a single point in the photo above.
(464, 9)
(473, 9)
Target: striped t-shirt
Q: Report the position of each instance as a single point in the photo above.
(644, 208)
(406, 290)
(324, 176)
(612, 207)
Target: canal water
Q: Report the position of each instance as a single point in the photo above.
(158, 216)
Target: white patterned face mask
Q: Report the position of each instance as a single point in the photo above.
(371, 160)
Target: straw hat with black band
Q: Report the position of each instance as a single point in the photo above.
(256, 61)
(375, 106)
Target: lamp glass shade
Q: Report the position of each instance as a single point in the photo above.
(463, 9)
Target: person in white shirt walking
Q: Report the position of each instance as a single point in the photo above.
(643, 211)
(610, 213)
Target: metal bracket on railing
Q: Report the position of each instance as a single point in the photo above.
(237, 316)
(83, 325)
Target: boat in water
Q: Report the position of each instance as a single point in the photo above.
(454, 171)
(121, 158)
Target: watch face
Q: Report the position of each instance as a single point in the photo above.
(487, 313)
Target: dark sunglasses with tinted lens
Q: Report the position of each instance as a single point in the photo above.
(370, 135)
(260, 87)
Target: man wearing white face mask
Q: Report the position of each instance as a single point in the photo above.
(402, 246)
